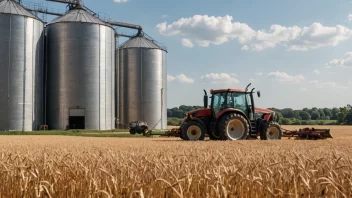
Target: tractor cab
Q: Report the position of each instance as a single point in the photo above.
(232, 99)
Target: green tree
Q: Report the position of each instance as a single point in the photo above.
(169, 113)
(315, 115)
(348, 119)
(285, 121)
(335, 111)
(304, 115)
(296, 114)
(327, 112)
(288, 113)
(321, 113)
(341, 116)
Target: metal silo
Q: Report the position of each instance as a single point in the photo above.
(143, 83)
(21, 68)
(80, 72)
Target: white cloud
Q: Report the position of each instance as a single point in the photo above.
(170, 78)
(284, 77)
(181, 78)
(303, 89)
(344, 61)
(316, 71)
(184, 79)
(219, 78)
(187, 43)
(259, 74)
(205, 30)
(120, 1)
(299, 39)
(334, 85)
(350, 17)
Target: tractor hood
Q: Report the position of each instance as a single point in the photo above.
(200, 112)
(262, 110)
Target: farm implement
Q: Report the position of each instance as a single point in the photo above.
(232, 115)
(300, 134)
(308, 133)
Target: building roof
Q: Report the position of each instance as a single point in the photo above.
(140, 42)
(12, 7)
(228, 90)
(78, 15)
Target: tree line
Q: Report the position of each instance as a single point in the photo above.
(336, 115)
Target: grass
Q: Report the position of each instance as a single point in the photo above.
(61, 166)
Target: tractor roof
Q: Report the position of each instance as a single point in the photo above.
(228, 90)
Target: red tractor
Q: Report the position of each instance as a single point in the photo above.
(231, 116)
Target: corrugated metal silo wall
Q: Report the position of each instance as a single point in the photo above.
(142, 81)
(81, 73)
(117, 83)
(21, 72)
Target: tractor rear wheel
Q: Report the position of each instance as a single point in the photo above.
(193, 130)
(233, 127)
(272, 133)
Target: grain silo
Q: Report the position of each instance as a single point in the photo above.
(80, 72)
(21, 68)
(143, 83)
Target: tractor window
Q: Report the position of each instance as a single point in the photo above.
(240, 101)
(218, 102)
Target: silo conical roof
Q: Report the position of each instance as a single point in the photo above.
(12, 7)
(78, 15)
(141, 42)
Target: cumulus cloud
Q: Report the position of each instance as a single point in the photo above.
(205, 30)
(220, 78)
(299, 39)
(350, 17)
(333, 85)
(344, 61)
(181, 78)
(284, 77)
(120, 1)
(184, 79)
(187, 43)
(259, 74)
(170, 78)
(316, 71)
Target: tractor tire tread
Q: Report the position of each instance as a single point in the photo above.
(275, 124)
(225, 121)
(184, 128)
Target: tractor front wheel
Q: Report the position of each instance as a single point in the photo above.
(272, 133)
(233, 127)
(132, 131)
(193, 131)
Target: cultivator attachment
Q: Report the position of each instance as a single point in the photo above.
(307, 133)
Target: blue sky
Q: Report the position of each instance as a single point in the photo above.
(295, 52)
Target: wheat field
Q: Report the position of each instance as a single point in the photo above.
(61, 166)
